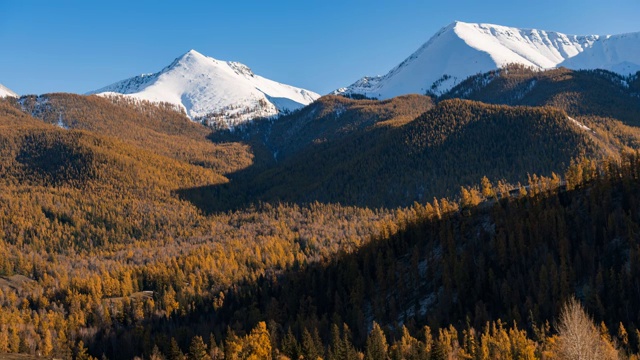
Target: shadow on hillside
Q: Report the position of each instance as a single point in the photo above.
(409, 278)
(384, 167)
(239, 192)
(300, 178)
(218, 198)
(328, 152)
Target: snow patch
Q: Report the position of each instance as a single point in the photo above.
(579, 124)
(61, 123)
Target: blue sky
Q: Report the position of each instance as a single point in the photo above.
(78, 46)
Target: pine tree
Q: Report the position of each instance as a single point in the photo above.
(310, 349)
(175, 353)
(377, 348)
(63, 346)
(350, 352)
(232, 346)
(156, 354)
(198, 349)
(81, 352)
(336, 348)
(47, 343)
(623, 336)
(290, 346)
(428, 342)
(408, 347)
(214, 351)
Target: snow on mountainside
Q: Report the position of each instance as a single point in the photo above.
(461, 49)
(220, 92)
(617, 53)
(4, 92)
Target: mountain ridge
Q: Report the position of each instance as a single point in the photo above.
(6, 92)
(461, 49)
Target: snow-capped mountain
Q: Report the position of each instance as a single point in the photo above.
(4, 92)
(222, 92)
(461, 49)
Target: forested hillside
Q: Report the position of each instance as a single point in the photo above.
(395, 163)
(459, 267)
(415, 227)
(94, 241)
(356, 152)
(327, 120)
(606, 102)
(158, 128)
(578, 92)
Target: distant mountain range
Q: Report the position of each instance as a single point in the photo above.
(225, 93)
(462, 49)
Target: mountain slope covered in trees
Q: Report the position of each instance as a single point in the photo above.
(92, 233)
(518, 258)
(328, 120)
(154, 127)
(395, 162)
(580, 93)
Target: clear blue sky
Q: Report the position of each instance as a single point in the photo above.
(78, 46)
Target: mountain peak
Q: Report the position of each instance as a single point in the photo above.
(456, 23)
(222, 92)
(190, 57)
(193, 53)
(462, 49)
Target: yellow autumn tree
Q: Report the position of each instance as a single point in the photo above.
(255, 346)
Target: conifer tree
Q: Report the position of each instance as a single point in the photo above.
(428, 341)
(350, 352)
(290, 346)
(377, 348)
(81, 352)
(336, 347)
(310, 348)
(175, 353)
(47, 343)
(156, 354)
(623, 336)
(198, 349)
(214, 351)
